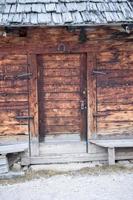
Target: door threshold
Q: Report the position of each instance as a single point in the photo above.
(62, 147)
(62, 138)
(62, 158)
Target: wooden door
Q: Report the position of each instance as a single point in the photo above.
(62, 94)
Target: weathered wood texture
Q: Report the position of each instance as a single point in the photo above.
(115, 92)
(13, 94)
(59, 89)
(111, 145)
(33, 127)
(110, 95)
(13, 148)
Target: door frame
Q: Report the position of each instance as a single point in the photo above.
(33, 97)
(83, 94)
(83, 91)
(33, 106)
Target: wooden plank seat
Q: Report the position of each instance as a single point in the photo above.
(111, 145)
(13, 148)
(7, 149)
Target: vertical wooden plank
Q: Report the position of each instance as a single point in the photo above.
(33, 105)
(83, 93)
(111, 156)
(91, 87)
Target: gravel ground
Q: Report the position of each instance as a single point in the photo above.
(115, 186)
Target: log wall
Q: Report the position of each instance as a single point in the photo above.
(115, 92)
(110, 93)
(13, 94)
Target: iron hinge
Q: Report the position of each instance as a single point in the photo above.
(24, 117)
(100, 114)
(98, 73)
(23, 76)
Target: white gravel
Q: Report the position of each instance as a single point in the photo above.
(116, 186)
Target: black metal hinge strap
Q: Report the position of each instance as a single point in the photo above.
(99, 72)
(25, 75)
(24, 117)
(2, 76)
(100, 114)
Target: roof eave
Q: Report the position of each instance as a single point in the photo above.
(65, 25)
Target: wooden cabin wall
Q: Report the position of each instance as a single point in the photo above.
(115, 92)
(109, 52)
(13, 94)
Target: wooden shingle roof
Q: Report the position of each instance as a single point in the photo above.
(64, 12)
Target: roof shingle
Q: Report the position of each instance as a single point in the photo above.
(64, 12)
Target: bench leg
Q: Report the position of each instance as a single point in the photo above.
(111, 156)
(4, 167)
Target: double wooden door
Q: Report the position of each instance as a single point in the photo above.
(62, 94)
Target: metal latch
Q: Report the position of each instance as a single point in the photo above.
(82, 105)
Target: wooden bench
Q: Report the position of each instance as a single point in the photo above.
(111, 145)
(8, 149)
